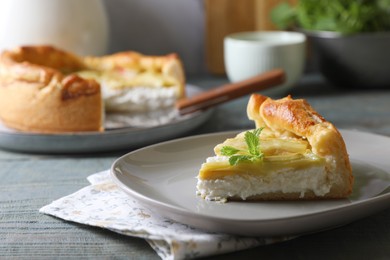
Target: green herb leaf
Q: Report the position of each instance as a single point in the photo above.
(253, 154)
(283, 15)
(256, 157)
(257, 131)
(229, 150)
(344, 16)
(235, 159)
(252, 142)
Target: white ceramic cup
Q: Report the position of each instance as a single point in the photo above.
(247, 54)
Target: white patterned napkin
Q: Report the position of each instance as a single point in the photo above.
(104, 205)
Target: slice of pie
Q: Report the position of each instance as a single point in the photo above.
(293, 154)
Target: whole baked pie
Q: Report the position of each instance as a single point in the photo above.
(293, 154)
(47, 90)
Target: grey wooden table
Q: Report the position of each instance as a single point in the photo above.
(30, 181)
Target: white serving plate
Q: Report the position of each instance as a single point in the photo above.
(136, 132)
(163, 178)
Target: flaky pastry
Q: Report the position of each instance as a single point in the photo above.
(39, 92)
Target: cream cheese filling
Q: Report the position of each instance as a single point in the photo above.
(127, 91)
(285, 179)
(138, 99)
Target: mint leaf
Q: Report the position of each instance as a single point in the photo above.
(257, 131)
(235, 159)
(253, 154)
(252, 141)
(256, 157)
(229, 150)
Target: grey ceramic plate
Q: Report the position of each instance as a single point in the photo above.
(119, 135)
(163, 178)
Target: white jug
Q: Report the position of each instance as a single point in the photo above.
(79, 26)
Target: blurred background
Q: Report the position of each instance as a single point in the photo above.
(159, 27)
(193, 28)
(355, 31)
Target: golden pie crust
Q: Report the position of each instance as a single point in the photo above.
(41, 91)
(296, 117)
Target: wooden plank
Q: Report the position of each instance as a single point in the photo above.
(224, 17)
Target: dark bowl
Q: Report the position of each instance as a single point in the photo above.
(355, 61)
